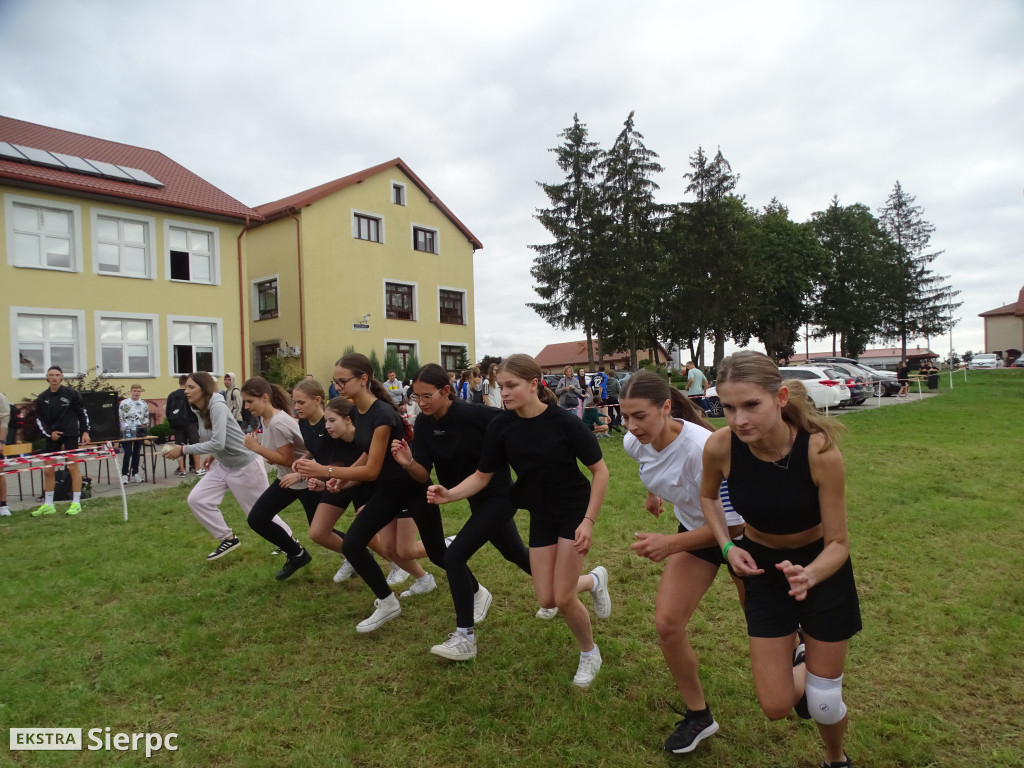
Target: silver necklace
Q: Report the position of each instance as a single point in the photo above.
(789, 454)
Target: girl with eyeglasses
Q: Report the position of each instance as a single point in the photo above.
(377, 425)
(449, 438)
(542, 443)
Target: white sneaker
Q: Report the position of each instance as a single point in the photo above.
(344, 573)
(4, 511)
(481, 603)
(602, 601)
(547, 613)
(448, 540)
(397, 575)
(421, 586)
(385, 610)
(457, 647)
(590, 665)
(136, 478)
(124, 479)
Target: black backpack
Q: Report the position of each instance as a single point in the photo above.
(177, 409)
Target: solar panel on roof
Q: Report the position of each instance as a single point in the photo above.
(9, 152)
(141, 176)
(63, 162)
(77, 164)
(110, 171)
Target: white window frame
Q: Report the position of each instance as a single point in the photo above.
(465, 303)
(154, 341)
(437, 237)
(254, 294)
(218, 341)
(440, 357)
(413, 342)
(41, 202)
(415, 299)
(170, 224)
(405, 194)
(370, 214)
(150, 226)
(77, 315)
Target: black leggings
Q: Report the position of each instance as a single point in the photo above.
(388, 500)
(490, 520)
(273, 501)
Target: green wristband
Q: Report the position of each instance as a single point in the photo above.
(726, 548)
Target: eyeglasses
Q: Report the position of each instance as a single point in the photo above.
(342, 382)
(424, 398)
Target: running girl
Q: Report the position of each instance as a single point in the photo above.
(666, 435)
(542, 442)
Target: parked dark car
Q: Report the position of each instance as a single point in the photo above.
(859, 383)
(879, 385)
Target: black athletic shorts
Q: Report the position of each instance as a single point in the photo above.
(546, 529)
(830, 612)
(711, 554)
(357, 496)
(66, 443)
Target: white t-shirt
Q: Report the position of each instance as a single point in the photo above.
(492, 395)
(675, 473)
(280, 431)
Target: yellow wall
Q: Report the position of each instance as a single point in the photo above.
(1003, 332)
(86, 291)
(343, 277)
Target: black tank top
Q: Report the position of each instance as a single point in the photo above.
(772, 499)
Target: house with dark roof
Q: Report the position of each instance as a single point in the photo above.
(372, 260)
(1004, 329)
(116, 257)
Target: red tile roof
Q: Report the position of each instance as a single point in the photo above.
(574, 353)
(280, 208)
(182, 188)
(1014, 308)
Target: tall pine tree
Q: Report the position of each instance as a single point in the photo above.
(925, 303)
(562, 269)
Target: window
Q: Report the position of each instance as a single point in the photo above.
(121, 244)
(424, 239)
(264, 353)
(404, 350)
(125, 343)
(451, 354)
(266, 299)
(43, 236)
(397, 193)
(192, 253)
(452, 305)
(196, 344)
(45, 337)
(398, 301)
(367, 228)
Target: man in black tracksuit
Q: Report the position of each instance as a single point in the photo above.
(63, 420)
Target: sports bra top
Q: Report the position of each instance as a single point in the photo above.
(771, 498)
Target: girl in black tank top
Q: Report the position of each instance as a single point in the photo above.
(786, 478)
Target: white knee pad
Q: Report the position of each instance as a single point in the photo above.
(825, 699)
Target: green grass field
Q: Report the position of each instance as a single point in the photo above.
(105, 623)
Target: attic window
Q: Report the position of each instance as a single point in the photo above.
(398, 193)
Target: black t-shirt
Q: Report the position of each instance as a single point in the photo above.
(543, 452)
(323, 448)
(380, 414)
(453, 444)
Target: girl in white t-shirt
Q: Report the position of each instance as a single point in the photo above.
(666, 436)
(278, 440)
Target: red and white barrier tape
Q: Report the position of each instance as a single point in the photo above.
(16, 464)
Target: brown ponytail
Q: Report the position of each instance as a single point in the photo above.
(257, 386)
(526, 368)
(649, 386)
(360, 365)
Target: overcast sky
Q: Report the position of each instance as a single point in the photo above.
(806, 100)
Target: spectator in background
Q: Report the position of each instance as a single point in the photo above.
(233, 398)
(462, 388)
(133, 416)
(394, 388)
(61, 415)
(903, 377)
(696, 381)
(184, 423)
(568, 391)
(492, 392)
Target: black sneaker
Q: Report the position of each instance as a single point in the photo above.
(223, 548)
(847, 763)
(292, 564)
(689, 732)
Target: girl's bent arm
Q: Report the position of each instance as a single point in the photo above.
(471, 486)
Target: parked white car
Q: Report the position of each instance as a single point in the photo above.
(825, 387)
(983, 361)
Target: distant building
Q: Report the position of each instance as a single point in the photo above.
(373, 260)
(555, 357)
(1004, 329)
(115, 257)
(877, 358)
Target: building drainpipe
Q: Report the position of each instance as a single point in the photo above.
(241, 296)
(302, 312)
